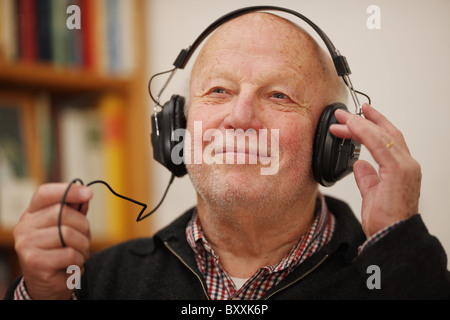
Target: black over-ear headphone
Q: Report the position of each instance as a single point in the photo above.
(332, 159)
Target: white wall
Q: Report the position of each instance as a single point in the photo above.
(404, 67)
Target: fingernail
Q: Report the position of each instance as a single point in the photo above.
(86, 193)
(342, 112)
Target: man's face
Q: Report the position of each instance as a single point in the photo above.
(255, 74)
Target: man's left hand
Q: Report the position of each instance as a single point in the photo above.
(392, 193)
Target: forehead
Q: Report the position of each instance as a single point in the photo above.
(256, 68)
(263, 35)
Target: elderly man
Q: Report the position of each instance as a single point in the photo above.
(256, 236)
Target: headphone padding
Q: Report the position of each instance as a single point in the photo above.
(173, 118)
(323, 160)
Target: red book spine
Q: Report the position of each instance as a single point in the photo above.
(28, 30)
(87, 29)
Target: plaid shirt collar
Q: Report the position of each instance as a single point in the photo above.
(220, 284)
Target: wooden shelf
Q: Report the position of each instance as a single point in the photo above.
(58, 79)
(6, 239)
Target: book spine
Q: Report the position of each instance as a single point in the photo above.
(113, 36)
(59, 32)
(44, 20)
(127, 35)
(87, 26)
(75, 41)
(8, 37)
(37, 31)
(27, 26)
(111, 108)
(102, 54)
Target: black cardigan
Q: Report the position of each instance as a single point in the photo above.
(412, 264)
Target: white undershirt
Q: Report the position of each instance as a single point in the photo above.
(238, 282)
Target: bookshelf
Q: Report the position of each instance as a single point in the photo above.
(112, 99)
(27, 76)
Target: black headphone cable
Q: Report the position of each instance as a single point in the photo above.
(140, 217)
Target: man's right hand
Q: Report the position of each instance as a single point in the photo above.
(42, 257)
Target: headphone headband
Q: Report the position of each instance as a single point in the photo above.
(340, 62)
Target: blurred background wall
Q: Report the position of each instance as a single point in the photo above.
(403, 66)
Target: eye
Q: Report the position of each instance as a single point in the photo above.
(279, 95)
(217, 95)
(219, 90)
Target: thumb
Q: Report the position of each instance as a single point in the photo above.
(82, 203)
(365, 175)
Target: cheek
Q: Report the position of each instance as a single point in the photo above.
(296, 141)
(200, 118)
(199, 121)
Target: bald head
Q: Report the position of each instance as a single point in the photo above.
(264, 33)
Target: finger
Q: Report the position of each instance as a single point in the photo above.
(80, 207)
(341, 131)
(59, 259)
(365, 175)
(374, 137)
(48, 194)
(376, 117)
(49, 216)
(373, 116)
(72, 238)
(48, 239)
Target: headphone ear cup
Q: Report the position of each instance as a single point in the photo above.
(333, 158)
(169, 119)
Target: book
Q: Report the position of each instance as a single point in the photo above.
(112, 28)
(127, 35)
(46, 134)
(89, 30)
(36, 31)
(59, 33)
(75, 37)
(8, 30)
(26, 25)
(15, 195)
(111, 107)
(101, 34)
(20, 163)
(44, 27)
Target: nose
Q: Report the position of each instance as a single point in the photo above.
(244, 113)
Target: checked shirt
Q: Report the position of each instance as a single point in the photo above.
(221, 286)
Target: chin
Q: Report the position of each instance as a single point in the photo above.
(229, 184)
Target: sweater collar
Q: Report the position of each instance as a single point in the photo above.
(347, 237)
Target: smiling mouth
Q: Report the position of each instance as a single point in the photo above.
(242, 152)
(233, 147)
